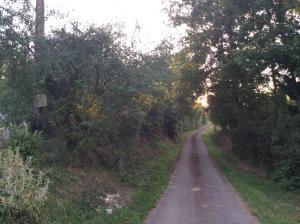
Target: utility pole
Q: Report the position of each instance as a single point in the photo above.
(40, 100)
(40, 19)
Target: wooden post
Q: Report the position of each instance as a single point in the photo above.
(40, 100)
(40, 19)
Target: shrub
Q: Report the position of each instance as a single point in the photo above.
(287, 171)
(22, 188)
(287, 174)
(24, 140)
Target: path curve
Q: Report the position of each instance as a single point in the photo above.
(198, 193)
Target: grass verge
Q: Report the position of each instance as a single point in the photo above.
(150, 182)
(269, 202)
(146, 182)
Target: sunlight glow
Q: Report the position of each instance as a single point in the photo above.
(203, 101)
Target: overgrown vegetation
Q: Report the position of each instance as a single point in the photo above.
(100, 93)
(23, 189)
(22, 139)
(245, 55)
(268, 201)
(149, 183)
(140, 185)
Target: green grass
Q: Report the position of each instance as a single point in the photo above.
(147, 182)
(269, 202)
(151, 181)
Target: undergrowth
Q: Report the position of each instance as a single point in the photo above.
(146, 183)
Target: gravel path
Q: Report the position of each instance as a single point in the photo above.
(198, 192)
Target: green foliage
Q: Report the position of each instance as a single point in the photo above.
(147, 180)
(23, 189)
(16, 37)
(105, 84)
(287, 147)
(21, 138)
(102, 96)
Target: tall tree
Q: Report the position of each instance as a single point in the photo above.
(248, 53)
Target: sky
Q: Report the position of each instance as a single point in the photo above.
(148, 14)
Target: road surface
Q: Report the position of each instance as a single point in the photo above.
(198, 193)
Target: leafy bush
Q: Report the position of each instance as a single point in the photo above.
(287, 149)
(24, 140)
(22, 188)
(287, 174)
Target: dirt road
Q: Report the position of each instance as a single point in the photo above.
(198, 193)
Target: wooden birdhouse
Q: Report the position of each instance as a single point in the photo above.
(40, 101)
